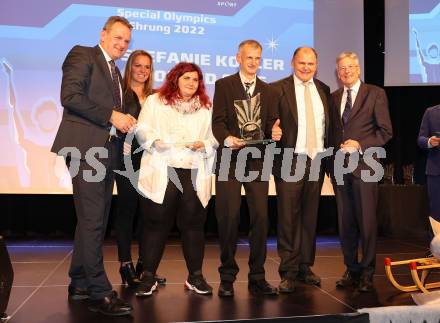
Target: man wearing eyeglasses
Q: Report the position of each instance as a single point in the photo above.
(361, 120)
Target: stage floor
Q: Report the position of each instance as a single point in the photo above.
(39, 292)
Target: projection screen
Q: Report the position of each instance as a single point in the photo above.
(412, 55)
(35, 41)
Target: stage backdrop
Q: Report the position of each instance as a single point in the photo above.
(37, 35)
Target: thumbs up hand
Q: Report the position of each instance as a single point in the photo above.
(276, 131)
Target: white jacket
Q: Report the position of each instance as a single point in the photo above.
(160, 121)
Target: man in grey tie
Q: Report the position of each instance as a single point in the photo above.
(303, 134)
(360, 121)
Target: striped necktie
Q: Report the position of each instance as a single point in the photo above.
(116, 88)
(248, 87)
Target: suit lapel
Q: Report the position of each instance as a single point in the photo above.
(103, 65)
(239, 92)
(289, 90)
(258, 86)
(324, 100)
(359, 102)
(259, 89)
(123, 107)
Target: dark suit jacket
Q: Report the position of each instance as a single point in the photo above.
(430, 125)
(224, 117)
(87, 98)
(288, 114)
(369, 122)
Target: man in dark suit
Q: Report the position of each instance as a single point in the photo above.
(304, 114)
(360, 120)
(429, 138)
(88, 139)
(232, 93)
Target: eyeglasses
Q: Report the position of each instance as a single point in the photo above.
(348, 68)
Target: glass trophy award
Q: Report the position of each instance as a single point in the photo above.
(249, 121)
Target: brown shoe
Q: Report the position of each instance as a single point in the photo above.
(349, 279)
(307, 276)
(287, 285)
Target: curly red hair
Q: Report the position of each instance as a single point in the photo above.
(170, 89)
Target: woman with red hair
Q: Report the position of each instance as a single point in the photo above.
(174, 129)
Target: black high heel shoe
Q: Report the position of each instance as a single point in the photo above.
(140, 268)
(128, 275)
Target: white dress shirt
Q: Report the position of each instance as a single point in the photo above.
(318, 112)
(244, 79)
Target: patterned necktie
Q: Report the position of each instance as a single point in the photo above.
(347, 109)
(116, 89)
(311, 144)
(248, 87)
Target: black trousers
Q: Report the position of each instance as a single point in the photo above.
(227, 211)
(92, 199)
(127, 216)
(184, 209)
(357, 203)
(297, 207)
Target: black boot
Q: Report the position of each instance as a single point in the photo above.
(128, 275)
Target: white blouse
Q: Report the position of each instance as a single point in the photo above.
(158, 121)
